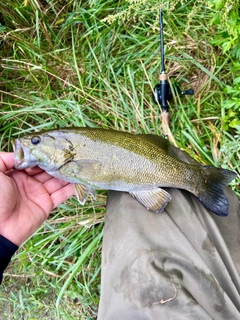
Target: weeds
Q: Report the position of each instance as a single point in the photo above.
(94, 63)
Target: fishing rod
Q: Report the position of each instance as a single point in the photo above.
(162, 91)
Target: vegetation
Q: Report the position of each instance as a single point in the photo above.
(94, 63)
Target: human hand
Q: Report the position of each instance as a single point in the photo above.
(26, 199)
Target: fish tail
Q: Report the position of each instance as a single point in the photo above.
(212, 195)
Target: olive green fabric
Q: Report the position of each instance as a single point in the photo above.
(183, 263)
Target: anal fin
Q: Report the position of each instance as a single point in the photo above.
(154, 200)
(82, 191)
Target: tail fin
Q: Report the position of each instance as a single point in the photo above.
(212, 196)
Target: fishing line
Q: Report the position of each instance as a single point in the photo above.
(162, 91)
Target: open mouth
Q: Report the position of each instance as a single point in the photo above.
(18, 154)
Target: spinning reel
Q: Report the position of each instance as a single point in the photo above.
(162, 91)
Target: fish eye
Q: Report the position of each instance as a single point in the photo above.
(36, 140)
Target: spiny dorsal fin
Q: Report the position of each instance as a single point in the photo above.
(168, 148)
(158, 141)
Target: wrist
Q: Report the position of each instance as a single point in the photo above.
(7, 245)
(12, 235)
(7, 250)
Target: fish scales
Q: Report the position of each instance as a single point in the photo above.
(114, 160)
(126, 158)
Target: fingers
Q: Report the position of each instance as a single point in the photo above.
(42, 176)
(33, 171)
(6, 161)
(52, 185)
(58, 190)
(62, 195)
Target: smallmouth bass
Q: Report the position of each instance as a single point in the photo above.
(140, 164)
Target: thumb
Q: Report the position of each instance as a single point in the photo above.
(6, 161)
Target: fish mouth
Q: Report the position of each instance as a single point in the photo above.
(21, 159)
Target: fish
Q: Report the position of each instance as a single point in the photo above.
(140, 164)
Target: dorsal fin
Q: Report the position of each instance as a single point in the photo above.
(168, 148)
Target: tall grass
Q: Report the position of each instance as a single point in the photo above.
(94, 63)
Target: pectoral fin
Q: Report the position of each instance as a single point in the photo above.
(154, 200)
(83, 191)
(76, 167)
(92, 167)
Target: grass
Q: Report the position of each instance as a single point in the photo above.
(94, 64)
